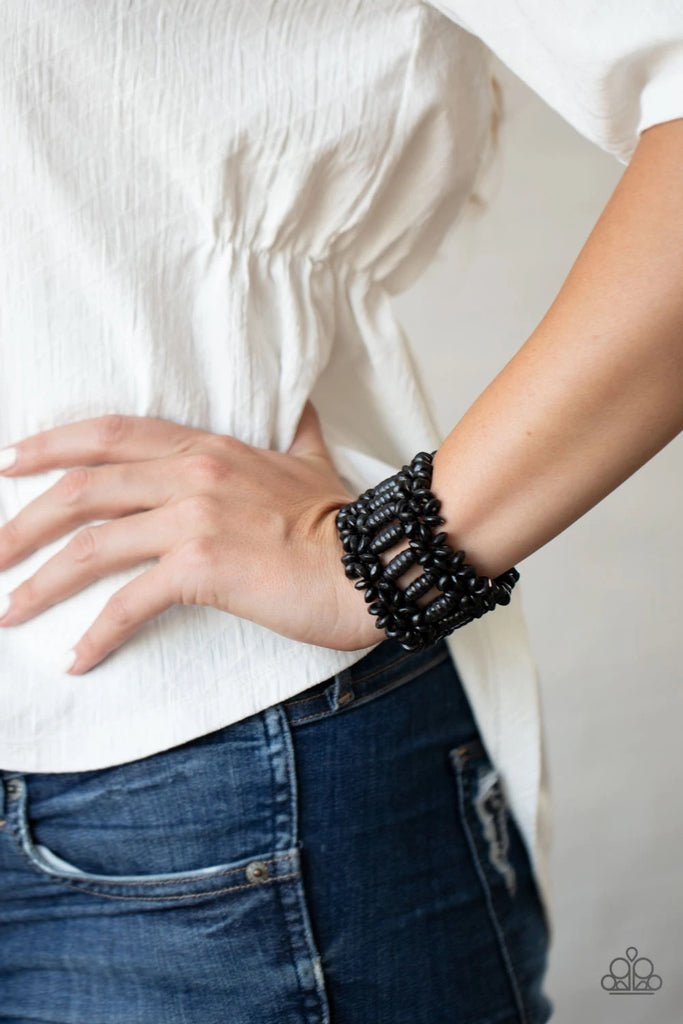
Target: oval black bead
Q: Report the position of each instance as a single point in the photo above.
(399, 564)
(434, 520)
(419, 586)
(387, 537)
(438, 607)
(381, 516)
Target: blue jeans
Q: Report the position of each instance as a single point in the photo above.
(344, 857)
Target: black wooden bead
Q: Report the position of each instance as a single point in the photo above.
(387, 537)
(398, 565)
(419, 586)
(434, 520)
(381, 516)
(438, 607)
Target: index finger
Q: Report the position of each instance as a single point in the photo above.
(112, 437)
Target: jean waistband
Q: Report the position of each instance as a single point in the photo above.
(385, 666)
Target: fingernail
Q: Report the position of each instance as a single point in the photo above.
(8, 456)
(66, 660)
(5, 602)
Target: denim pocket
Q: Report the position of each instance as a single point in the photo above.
(243, 873)
(193, 820)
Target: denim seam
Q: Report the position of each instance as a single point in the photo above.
(357, 701)
(284, 808)
(459, 760)
(294, 906)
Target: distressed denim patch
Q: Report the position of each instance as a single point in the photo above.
(491, 810)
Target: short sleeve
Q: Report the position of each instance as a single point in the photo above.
(611, 68)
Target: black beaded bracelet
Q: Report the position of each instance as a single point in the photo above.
(403, 505)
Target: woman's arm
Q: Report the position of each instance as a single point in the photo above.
(595, 391)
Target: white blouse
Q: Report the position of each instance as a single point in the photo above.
(205, 208)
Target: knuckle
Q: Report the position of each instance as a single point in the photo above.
(118, 610)
(206, 468)
(83, 545)
(226, 444)
(11, 535)
(74, 483)
(110, 428)
(26, 593)
(198, 552)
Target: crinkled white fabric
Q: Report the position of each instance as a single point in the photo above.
(205, 209)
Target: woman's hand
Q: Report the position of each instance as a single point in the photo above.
(247, 530)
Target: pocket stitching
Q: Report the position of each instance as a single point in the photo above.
(23, 841)
(61, 880)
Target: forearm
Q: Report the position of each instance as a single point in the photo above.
(595, 391)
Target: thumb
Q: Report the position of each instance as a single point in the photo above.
(308, 439)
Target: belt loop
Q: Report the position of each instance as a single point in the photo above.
(341, 691)
(11, 787)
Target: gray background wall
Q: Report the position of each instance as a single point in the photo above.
(603, 600)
